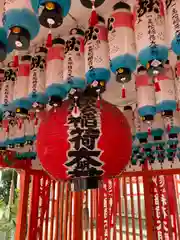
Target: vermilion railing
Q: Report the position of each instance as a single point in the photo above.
(138, 205)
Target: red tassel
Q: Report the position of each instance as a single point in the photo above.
(20, 122)
(75, 109)
(16, 61)
(98, 102)
(149, 131)
(157, 87)
(168, 127)
(36, 121)
(177, 107)
(49, 40)
(93, 19)
(123, 92)
(5, 124)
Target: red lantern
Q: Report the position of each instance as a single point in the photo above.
(95, 144)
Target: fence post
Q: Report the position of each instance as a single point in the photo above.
(77, 221)
(21, 223)
(147, 179)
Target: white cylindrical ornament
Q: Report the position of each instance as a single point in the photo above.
(74, 66)
(141, 128)
(21, 86)
(145, 94)
(54, 63)
(166, 97)
(56, 87)
(1, 84)
(172, 124)
(121, 38)
(2, 139)
(177, 81)
(37, 79)
(7, 96)
(128, 113)
(173, 24)
(157, 128)
(97, 53)
(150, 32)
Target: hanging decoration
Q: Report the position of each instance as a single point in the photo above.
(74, 70)
(74, 67)
(21, 23)
(88, 3)
(3, 42)
(37, 79)
(128, 113)
(56, 88)
(7, 94)
(150, 35)
(21, 100)
(173, 24)
(96, 55)
(157, 130)
(51, 13)
(122, 43)
(1, 98)
(86, 155)
(59, 70)
(145, 94)
(177, 82)
(166, 99)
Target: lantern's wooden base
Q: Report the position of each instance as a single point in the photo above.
(51, 17)
(55, 101)
(88, 3)
(81, 184)
(19, 38)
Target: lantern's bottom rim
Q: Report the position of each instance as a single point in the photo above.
(81, 184)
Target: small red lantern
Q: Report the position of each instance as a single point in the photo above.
(95, 144)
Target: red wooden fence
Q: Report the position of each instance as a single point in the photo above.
(138, 205)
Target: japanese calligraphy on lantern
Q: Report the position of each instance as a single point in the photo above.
(108, 207)
(70, 63)
(146, 7)
(175, 15)
(90, 55)
(37, 78)
(151, 32)
(84, 133)
(160, 207)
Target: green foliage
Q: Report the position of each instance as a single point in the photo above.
(8, 212)
(5, 184)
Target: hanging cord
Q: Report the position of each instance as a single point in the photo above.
(75, 20)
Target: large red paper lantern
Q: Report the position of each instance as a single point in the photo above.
(96, 144)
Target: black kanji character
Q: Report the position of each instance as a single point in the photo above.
(86, 155)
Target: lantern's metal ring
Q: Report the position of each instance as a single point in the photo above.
(88, 3)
